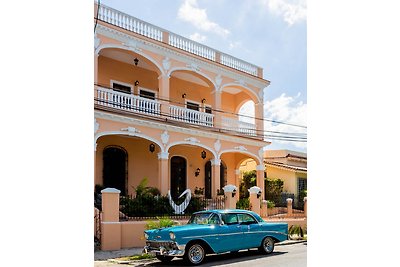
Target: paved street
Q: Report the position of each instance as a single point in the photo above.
(294, 255)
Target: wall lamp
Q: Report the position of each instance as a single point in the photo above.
(203, 154)
(197, 172)
(136, 83)
(203, 100)
(152, 147)
(259, 194)
(136, 61)
(184, 95)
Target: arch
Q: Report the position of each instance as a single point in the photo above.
(254, 156)
(128, 133)
(137, 51)
(115, 168)
(192, 70)
(247, 89)
(193, 144)
(241, 104)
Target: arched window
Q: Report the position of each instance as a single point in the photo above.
(115, 168)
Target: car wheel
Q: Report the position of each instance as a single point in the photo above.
(267, 245)
(195, 254)
(164, 259)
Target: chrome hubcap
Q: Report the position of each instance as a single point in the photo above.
(268, 245)
(196, 254)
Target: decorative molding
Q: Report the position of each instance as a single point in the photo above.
(229, 188)
(217, 145)
(260, 167)
(261, 153)
(254, 190)
(192, 140)
(96, 42)
(110, 190)
(95, 146)
(96, 125)
(131, 130)
(193, 66)
(218, 80)
(241, 82)
(165, 137)
(166, 64)
(240, 148)
(216, 162)
(176, 129)
(171, 53)
(132, 44)
(163, 155)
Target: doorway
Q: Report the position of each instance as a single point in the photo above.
(178, 176)
(115, 168)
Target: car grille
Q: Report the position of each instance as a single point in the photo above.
(158, 244)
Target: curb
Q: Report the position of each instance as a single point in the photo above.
(290, 242)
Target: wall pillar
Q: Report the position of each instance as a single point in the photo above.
(305, 206)
(264, 209)
(163, 173)
(217, 115)
(230, 192)
(163, 87)
(238, 180)
(260, 178)
(215, 183)
(289, 203)
(255, 199)
(259, 113)
(110, 225)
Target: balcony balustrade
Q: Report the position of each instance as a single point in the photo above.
(115, 100)
(130, 23)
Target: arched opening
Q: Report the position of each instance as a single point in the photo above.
(115, 171)
(178, 176)
(208, 178)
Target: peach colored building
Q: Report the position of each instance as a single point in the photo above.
(165, 108)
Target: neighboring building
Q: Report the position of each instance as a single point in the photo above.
(165, 108)
(289, 166)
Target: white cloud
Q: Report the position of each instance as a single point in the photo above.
(197, 37)
(293, 11)
(190, 12)
(289, 110)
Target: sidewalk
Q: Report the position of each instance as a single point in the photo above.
(105, 255)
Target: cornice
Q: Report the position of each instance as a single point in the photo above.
(172, 54)
(177, 129)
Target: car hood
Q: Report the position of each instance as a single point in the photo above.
(163, 233)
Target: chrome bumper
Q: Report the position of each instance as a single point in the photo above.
(161, 248)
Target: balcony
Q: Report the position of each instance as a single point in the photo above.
(118, 101)
(130, 23)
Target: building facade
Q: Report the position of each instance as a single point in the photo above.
(166, 109)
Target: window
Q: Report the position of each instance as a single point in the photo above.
(119, 87)
(302, 184)
(230, 218)
(147, 94)
(192, 105)
(246, 219)
(208, 109)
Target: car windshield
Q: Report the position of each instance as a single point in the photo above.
(204, 218)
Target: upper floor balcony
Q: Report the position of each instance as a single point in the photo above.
(144, 70)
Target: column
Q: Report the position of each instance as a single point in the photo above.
(163, 90)
(230, 192)
(110, 225)
(215, 184)
(238, 180)
(305, 206)
(217, 115)
(255, 199)
(289, 203)
(259, 113)
(96, 63)
(163, 173)
(260, 178)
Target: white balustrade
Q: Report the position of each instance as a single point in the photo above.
(110, 98)
(191, 46)
(239, 64)
(130, 23)
(191, 116)
(239, 126)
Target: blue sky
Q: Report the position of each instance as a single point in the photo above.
(269, 33)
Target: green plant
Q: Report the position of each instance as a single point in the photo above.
(143, 190)
(243, 203)
(270, 204)
(249, 180)
(199, 190)
(160, 223)
(274, 188)
(297, 232)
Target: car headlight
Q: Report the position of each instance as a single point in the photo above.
(172, 235)
(146, 236)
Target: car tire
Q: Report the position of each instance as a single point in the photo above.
(195, 254)
(164, 259)
(267, 245)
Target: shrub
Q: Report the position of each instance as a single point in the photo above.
(297, 232)
(243, 203)
(270, 204)
(161, 223)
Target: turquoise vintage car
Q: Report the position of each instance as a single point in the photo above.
(214, 232)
